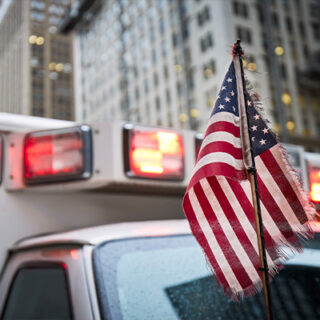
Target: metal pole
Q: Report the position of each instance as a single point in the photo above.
(256, 201)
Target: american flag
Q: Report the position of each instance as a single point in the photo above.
(218, 200)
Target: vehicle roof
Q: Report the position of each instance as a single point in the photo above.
(98, 234)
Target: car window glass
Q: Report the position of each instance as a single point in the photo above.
(168, 278)
(38, 293)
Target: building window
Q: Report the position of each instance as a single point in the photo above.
(316, 30)
(155, 79)
(240, 9)
(244, 34)
(203, 16)
(206, 42)
(175, 39)
(289, 25)
(209, 69)
(158, 103)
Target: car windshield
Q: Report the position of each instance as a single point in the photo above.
(168, 278)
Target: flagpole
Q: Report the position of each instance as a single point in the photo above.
(237, 51)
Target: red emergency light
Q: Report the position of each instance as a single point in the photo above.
(153, 153)
(58, 155)
(314, 178)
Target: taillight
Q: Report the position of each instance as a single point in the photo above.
(57, 155)
(153, 153)
(314, 178)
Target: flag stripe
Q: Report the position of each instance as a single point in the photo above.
(198, 233)
(276, 152)
(218, 157)
(224, 126)
(219, 169)
(224, 116)
(221, 136)
(278, 196)
(271, 231)
(213, 243)
(275, 212)
(284, 185)
(213, 192)
(222, 240)
(221, 146)
(246, 224)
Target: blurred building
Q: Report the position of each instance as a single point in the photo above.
(162, 62)
(35, 61)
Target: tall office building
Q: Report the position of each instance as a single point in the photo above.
(36, 62)
(161, 62)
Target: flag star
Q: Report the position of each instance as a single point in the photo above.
(227, 99)
(253, 138)
(229, 80)
(265, 130)
(218, 97)
(256, 116)
(234, 109)
(221, 106)
(262, 141)
(254, 128)
(223, 88)
(232, 93)
(249, 103)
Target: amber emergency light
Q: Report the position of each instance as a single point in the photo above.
(58, 155)
(153, 153)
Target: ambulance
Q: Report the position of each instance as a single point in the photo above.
(92, 228)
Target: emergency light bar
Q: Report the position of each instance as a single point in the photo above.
(153, 153)
(58, 155)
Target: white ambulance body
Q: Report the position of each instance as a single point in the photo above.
(105, 192)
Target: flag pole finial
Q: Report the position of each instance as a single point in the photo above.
(237, 49)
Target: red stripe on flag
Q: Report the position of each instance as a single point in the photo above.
(197, 232)
(218, 168)
(274, 211)
(284, 185)
(232, 217)
(249, 211)
(221, 146)
(224, 126)
(222, 239)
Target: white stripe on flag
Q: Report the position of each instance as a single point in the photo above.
(224, 116)
(215, 157)
(213, 243)
(228, 231)
(242, 217)
(221, 136)
(268, 222)
(277, 195)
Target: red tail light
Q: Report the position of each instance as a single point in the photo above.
(314, 178)
(57, 155)
(153, 153)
